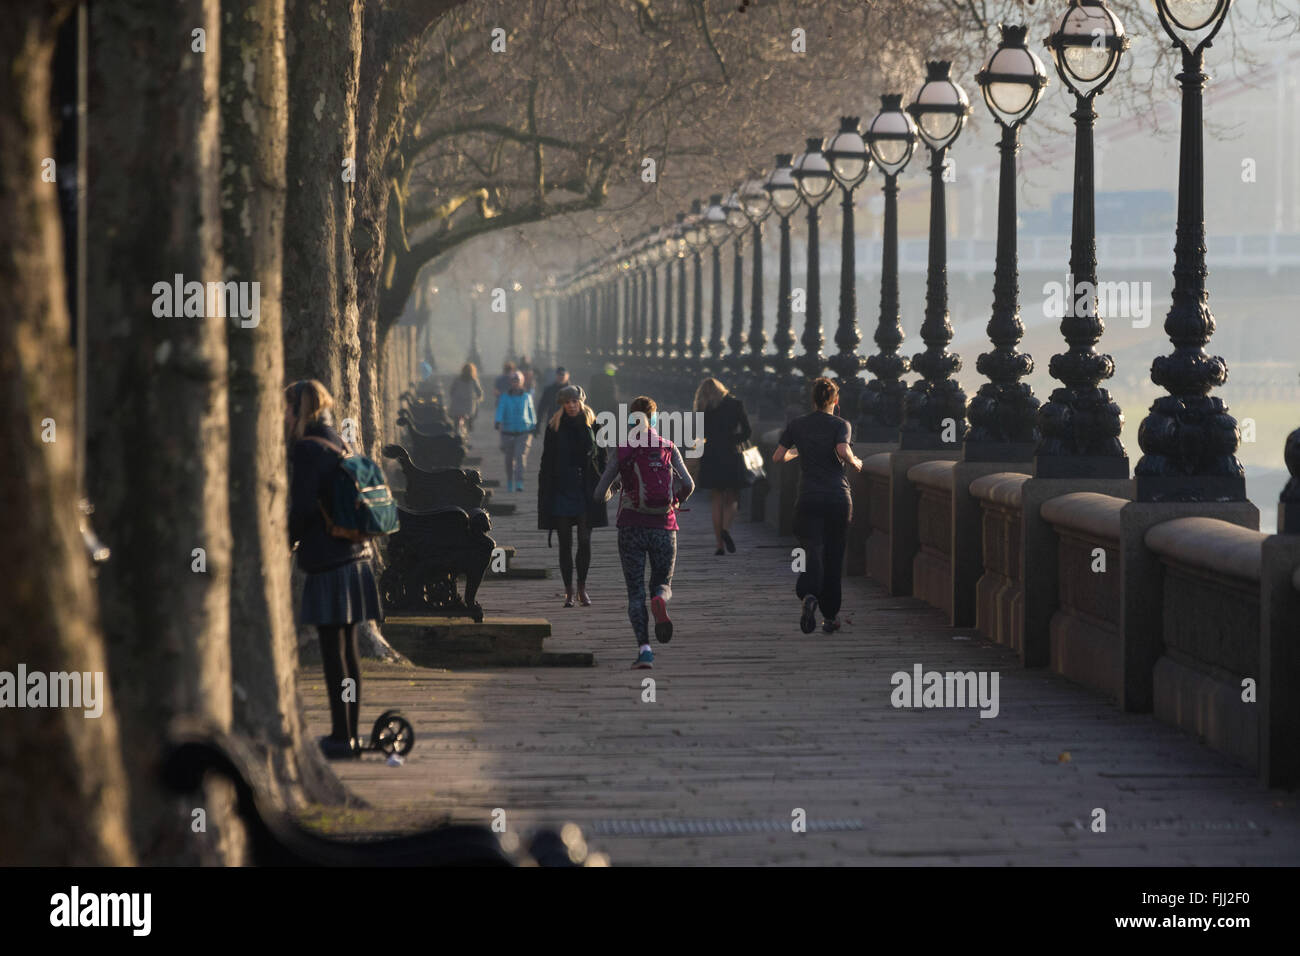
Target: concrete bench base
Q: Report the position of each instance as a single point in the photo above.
(459, 642)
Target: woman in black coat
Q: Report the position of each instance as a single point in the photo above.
(340, 591)
(571, 467)
(722, 465)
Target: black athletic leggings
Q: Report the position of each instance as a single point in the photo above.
(338, 652)
(563, 527)
(821, 525)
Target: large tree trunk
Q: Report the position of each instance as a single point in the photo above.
(390, 44)
(393, 35)
(158, 431)
(263, 646)
(320, 294)
(63, 790)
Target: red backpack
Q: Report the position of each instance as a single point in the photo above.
(647, 474)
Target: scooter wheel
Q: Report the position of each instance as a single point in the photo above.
(393, 733)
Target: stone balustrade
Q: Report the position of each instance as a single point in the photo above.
(1000, 591)
(1223, 657)
(1085, 629)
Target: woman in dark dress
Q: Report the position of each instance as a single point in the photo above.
(722, 466)
(820, 440)
(340, 591)
(571, 466)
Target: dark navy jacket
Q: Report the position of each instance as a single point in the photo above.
(313, 466)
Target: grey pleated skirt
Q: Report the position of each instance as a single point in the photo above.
(342, 595)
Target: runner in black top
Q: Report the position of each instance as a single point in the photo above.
(820, 440)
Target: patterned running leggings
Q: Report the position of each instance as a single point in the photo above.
(634, 545)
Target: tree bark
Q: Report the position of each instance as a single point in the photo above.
(320, 293)
(63, 790)
(158, 430)
(393, 34)
(263, 646)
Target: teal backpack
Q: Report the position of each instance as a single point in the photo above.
(358, 505)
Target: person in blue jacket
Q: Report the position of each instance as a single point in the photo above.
(516, 421)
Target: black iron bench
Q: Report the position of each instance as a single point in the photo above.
(275, 839)
(426, 556)
(432, 450)
(430, 488)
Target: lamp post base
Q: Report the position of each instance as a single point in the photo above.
(1006, 451)
(1081, 466)
(1191, 488)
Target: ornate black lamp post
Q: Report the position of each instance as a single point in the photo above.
(478, 289)
(683, 340)
(651, 253)
(785, 199)
(642, 260)
(1004, 412)
(850, 162)
(757, 205)
(1080, 424)
(812, 175)
(891, 137)
(510, 320)
(717, 230)
(668, 252)
(737, 224)
(697, 237)
(935, 407)
(1188, 439)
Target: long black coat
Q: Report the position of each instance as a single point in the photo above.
(593, 465)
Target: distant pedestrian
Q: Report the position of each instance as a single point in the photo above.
(722, 465)
(602, 394)
(571, 466)
(549, 402)
(340, 591)
(820, 440)
(502, 383)
(428, 384)
(526, 370)
(466, 393)
(655, 484)
(515, 420)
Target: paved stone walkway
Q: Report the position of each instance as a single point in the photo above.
(753, 721)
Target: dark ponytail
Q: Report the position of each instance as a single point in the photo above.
(824, 392)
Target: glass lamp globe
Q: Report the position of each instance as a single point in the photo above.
(716, 227)
(781, 188)
(1012, 78)
(940, 106)
(1086, 45)
(847, 153)
(754, 200)
(891, 137)
(812, 173)
(736, 218)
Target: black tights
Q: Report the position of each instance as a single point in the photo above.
(564, 526)
(338, 652)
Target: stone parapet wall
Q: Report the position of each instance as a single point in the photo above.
(1000, 595)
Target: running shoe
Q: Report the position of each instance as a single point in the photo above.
(726, 539)
(644, 661)
(808, 619)
(830, 627)
(663, 626)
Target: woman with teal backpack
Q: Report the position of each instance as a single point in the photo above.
(340, 591)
